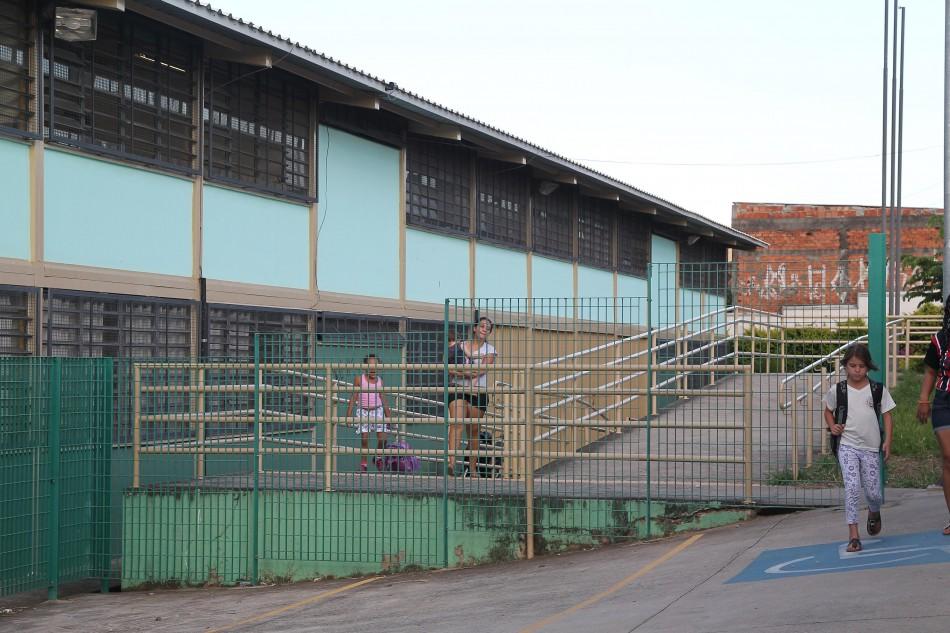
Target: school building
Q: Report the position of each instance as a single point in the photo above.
(187, 178)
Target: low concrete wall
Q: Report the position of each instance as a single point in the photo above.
(203, 537)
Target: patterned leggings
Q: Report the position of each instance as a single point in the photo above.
(860, 467)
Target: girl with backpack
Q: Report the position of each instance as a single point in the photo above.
(937, 374)
(852, 408)
(371, 407)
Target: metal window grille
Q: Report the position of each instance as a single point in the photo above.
(257, 128)
(553, 227)
(16, 49)
(121, 327)
(345, 324)
(130, 92)
(438, 183)
(375, 124)
(502, 202)
(594, 246)
(17, 325)
(634, 246)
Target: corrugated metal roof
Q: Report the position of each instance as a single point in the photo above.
(389, 91)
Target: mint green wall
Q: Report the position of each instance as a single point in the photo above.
(595, 289)
(632, 299)
(551, 278)
(552, 287)
(663, 281)
(500, 272)
(358, 238)
(15, 210)
(436, 267)
(255, 240)
(101, 214)
(692, 306)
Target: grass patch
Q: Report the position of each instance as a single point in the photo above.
(915, 456)
(911, 438)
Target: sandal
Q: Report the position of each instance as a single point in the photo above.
(946, 530)
(854, 545)
(874, 523)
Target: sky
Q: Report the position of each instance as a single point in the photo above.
(703, 103)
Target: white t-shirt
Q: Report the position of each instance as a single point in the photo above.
(477, 357)
(861, 430)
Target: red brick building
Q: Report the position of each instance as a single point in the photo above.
(818, 253)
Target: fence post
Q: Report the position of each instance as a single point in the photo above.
(824, 434)
(650, 403)
(52, 429)
(795, 429)
(809, 418)
(529, 462)
(747, 433)
(783, 347)
(328, 410)
(255, 494)
(200, 405)
(104, 469)
(136, 424)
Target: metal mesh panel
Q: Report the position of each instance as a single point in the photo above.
(129, 92)
(17, 87)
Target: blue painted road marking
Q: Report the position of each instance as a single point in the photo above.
(924, 548)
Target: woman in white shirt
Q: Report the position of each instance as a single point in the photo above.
(471, 397)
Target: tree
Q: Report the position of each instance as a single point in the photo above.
(926, 282)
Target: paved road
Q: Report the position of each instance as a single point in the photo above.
(681, 585)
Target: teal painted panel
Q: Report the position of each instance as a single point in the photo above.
(500, 272)
(552, 287)
(15, 210)
(596, 289)
(663, 281)
(112, 216)
(255, 240)
(632, 300)
(358, 238)
(436, 267)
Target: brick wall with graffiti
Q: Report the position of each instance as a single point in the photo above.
(817, 254)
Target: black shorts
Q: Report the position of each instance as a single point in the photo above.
(478, 400)
(940, 415)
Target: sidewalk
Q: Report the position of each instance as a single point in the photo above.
(677, 585)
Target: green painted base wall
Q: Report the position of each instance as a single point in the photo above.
(203, 537)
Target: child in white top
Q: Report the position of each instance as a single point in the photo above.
(372, 407)
(861, 443)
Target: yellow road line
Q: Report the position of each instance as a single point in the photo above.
(293, 606)
(614, 588)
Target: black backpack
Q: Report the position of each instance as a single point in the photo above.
(841, 408)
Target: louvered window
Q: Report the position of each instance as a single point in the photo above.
(634, 242)
(16, 49)
(594, 224)
(438, 184)
(553, 227)
(17, 326)
(502, 202)
(257, 128)
(130, 92)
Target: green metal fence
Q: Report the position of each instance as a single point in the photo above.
(550, 423)
(55, 443)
